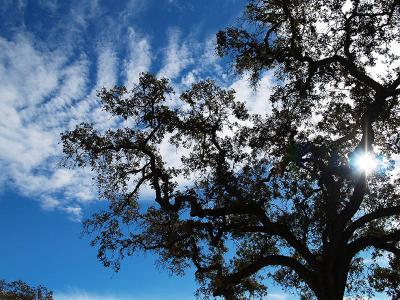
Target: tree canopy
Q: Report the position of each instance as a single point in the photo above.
(277, 195)
(19, 290)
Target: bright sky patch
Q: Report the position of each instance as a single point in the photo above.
(366, 162)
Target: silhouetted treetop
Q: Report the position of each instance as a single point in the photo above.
(306, 38)
(19, 290)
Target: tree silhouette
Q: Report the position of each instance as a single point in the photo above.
(277, 195)
(19, 290)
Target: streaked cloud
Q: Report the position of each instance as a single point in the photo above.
(256, 99)
(37, 88)
(49, 86)
(85, 296)
(138, 59)
(177, 56)
(276, 296)
(82, 295)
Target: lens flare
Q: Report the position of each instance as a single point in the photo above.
(366, 162)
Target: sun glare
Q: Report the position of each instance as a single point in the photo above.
(366, 162)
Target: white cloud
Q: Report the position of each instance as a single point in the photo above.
(107, 67)
(37, 89)
(383, 68)
(82, 295)
(84, 11)
(176, 56)
(276, 296)
(207, 63)
(32, 75)
(189, 78)
(257, 101)
(132, 8)
(49, 203)
(139, 57)
(45, 91)
(376, 297)
(209, 55)
(51, 5)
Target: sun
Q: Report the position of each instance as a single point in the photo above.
(366, 162)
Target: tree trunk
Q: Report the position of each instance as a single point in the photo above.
(332, 282)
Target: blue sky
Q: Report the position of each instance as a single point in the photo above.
(54, 55)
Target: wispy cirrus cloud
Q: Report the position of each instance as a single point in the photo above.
(138, 59)
(177, 56)
(47, 87)
(85, 296)
(82, 295)
(38, 88)
(51, 5)
(276, 296)
(256, 99)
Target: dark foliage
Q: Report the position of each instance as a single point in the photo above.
(272, 195)
(19, 290)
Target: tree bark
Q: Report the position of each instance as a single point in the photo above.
(333, 278)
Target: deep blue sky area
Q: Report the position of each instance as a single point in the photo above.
(44, 248)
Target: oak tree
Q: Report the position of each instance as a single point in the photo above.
(19, 290)
(276, 196)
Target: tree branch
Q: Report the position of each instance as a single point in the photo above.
(379, 242)
(362, 221)
(355, 201)
(270, 260)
